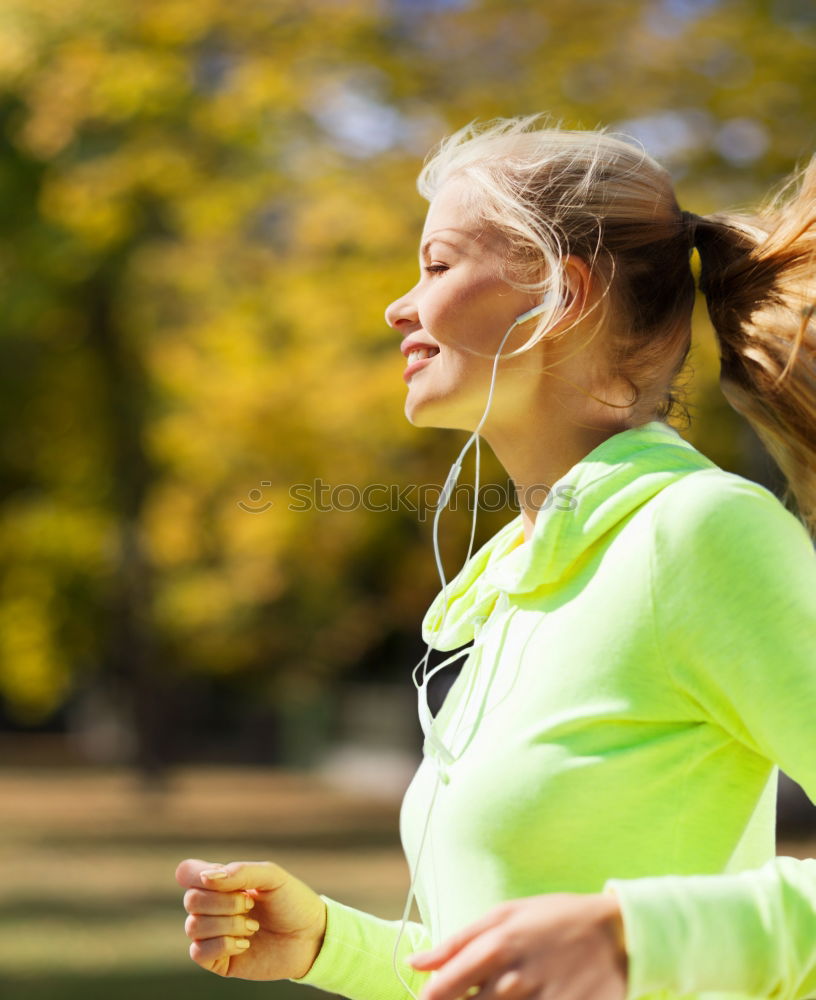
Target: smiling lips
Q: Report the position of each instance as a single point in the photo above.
(418, 357)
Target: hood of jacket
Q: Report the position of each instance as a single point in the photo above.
(590, 500)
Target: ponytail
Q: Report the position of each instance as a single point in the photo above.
(758, 274)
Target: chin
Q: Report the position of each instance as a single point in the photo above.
(429, 416)
(416, 419)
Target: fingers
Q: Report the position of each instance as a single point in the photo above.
(217, 939)
(188, 872)
(434, 957)
(217, 903)
(201, 927)
(511, 984)
(477, 962)
(264, 875)
(214, 953)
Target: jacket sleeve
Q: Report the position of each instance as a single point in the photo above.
(356, 958)
(734, 605)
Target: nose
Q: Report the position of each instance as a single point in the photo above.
(401, 311)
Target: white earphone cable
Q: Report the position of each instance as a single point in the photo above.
(432, 741)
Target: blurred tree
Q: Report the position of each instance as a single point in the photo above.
(207, 207)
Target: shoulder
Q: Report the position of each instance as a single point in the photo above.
(711, 505)
(716, 525)
(733, 600)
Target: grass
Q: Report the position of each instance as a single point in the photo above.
(89, 907)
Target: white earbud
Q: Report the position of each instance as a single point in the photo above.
(545, 304)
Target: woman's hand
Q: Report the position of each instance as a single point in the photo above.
(251, 920)
(561, 946)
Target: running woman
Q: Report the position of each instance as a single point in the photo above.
(593, 817)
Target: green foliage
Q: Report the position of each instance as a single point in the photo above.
(208, 206)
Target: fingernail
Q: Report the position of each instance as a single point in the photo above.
(252, 925)
(241, 943)
(249, 902)
(212, 874)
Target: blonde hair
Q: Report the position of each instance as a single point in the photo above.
(549, 192)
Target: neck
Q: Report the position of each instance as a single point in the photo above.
(537, 460)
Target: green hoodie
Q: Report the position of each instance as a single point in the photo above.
(640, 668)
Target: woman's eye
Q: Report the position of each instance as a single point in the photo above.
(436, 268)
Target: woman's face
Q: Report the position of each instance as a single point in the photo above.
(461, 309)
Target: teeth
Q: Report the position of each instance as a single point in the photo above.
(419, 353)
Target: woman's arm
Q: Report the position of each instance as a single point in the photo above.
(356, 957)
(734, 604)
(751, 932)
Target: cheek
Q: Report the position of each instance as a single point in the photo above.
(470, 313)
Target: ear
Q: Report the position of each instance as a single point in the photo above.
(578, 280)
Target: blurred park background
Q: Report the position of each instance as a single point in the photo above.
(206, 639)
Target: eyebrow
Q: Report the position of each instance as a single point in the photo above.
(437, 239)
